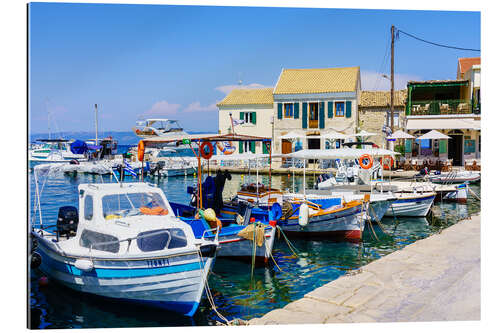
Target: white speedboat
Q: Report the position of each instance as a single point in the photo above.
(126, 243)
(54, 151)
(454, 177)
(411, 204)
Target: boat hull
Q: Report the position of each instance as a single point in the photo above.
(235, 247)
(411, 206)
(377, 209)
(345, 224)
(172, 283)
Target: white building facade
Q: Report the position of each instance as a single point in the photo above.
(312, 102)
(253, 108)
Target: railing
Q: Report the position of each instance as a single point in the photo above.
(440, 107)
(313, 123)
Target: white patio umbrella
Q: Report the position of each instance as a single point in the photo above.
(362, 134)
(292, 135)
(433, 135)
(399, 134)
(334, 136)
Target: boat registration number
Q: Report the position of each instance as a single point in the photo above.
(157, 263)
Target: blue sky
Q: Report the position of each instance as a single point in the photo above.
(179, 61)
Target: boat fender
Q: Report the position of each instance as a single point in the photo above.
(140, 151)
(43, 281)
(84, 265)
(36, 260)
(303, 215)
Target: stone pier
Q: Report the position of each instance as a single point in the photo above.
(437, 278)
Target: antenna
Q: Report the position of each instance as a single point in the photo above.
(96, 125)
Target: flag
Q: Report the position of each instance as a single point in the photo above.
(237, 122)
(130, 169)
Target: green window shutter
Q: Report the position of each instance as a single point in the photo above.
(241, 147)
(322, 115)
(252, 146)
(296, 111)
(253, 115)
(242, 115)
(330, 109)
(443, 145)
(280, 110)
(264, 148)
(348, 109)
(304, 115)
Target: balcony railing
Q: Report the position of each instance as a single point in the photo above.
(313, 123)
(439, 107)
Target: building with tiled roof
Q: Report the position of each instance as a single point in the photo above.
(465, 64)
(374, 112)
(251, 110)
(314, 101)
(248, 97)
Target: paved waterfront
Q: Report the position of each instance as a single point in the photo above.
(437, 278)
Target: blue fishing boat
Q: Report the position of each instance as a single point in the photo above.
(126, 243)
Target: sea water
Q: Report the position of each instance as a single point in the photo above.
(236, 295)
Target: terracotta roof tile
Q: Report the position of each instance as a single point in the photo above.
(382, 98)
(248, 97)
(317, 80)
(464, 64)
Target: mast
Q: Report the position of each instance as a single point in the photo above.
(96, 143)
(392, 79)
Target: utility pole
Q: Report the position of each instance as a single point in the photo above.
(96, 143)
(392, 79)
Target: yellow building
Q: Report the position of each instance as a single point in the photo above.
(254, 109)
(312, 102)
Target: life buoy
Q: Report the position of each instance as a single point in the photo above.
(138, 131)
(387, 162)
(226, 147)
(362, 161)
(140, 151)
(203, 153)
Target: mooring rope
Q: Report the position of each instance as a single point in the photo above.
(290, 245)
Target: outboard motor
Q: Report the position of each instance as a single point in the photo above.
(67, 221)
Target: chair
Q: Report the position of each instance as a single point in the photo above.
(444, 109)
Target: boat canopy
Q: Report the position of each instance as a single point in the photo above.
(198, 138)
(341, 153)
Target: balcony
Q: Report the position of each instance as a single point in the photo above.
(443, 107)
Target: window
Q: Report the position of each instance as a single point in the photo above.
(249, 117)
(99, 241)
(156, 240)
(313, 115)
(339, 109)
(288, 110)
(130, 204)
(88, 210)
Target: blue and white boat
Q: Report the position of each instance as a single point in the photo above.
(411, 204)
(126, 243)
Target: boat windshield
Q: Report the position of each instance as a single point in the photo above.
(132, 204)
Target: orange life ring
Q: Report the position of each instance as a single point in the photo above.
(140, 151)
(387, 162)
(204, 154)
(370, 161)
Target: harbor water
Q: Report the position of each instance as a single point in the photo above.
(236, 294)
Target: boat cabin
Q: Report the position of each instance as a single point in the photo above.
(128, 218)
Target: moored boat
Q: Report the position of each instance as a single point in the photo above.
(125, 243)
(411, 204)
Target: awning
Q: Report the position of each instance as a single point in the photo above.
(440, 124)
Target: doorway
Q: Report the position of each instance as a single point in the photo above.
(455, 149)
(313, 116)
(313, 144)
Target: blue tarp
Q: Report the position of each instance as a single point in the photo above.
(78, 147)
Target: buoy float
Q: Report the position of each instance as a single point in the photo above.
(303, 215)
(362, 161)
(387, 162)
(140, 151)
(206, 155)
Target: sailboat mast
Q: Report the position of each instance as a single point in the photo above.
(96, 125)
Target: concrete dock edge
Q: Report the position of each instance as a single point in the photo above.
(434, 279)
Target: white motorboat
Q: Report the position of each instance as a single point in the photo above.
(454, 177)
(411, 204)
(54, 151)
(126, 243)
